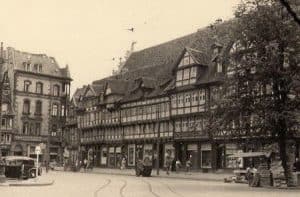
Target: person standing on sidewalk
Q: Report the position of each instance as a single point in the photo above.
(168, 163)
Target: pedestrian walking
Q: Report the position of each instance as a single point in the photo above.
(189, 164)
(85, 164)
(178, 165)
(297, 165)
(123, 163)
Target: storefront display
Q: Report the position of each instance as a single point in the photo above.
(131, 155)
(103, 156)
(192, 150)
(118, 156)
(233, 162)
(111, 157)
(206, 155)
(148, 151)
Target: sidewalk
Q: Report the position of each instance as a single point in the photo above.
(40, 181)
(162, 174)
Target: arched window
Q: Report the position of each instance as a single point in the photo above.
(56, 90)
(39, 87)
(26, 107)
(38, 108)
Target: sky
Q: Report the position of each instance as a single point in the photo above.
(88, 34)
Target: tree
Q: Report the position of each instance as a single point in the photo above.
(261, 90)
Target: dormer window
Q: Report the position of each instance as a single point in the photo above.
(216, 51)
(26, 66)
(40, 68)
(219, 67)
(35, 67)
(186, 60)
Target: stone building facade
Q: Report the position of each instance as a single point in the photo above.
(39, 95)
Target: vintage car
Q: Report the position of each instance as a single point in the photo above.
(20, 167)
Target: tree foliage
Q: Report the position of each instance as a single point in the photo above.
(262, 86)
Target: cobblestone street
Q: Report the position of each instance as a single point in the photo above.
(70, 184)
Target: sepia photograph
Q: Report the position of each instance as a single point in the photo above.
(149, 98)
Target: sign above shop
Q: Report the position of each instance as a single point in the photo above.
(30, 138)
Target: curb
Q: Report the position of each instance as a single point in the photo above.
(30, 184)
(168, 177)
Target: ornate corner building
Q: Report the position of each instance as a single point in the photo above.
(35, 95)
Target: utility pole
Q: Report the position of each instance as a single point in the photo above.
(158, 140)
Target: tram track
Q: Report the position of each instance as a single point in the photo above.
(122, 188)
(108, 181)
(150, 188)
(171, 189)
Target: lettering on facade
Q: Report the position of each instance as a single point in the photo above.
(29, 138)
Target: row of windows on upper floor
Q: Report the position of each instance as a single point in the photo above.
(56, 109)
(28, 66)
(188, 99)
(131, 130)
(33, 128)
(181, 103)
(146, 112)
(184, 124)
(39, 88)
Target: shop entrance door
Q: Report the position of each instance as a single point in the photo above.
(220, 156)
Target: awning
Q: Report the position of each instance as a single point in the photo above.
(250, 154)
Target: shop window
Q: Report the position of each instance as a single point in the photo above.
(131, 155)
(206, 156)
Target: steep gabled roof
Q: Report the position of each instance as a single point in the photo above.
(77, 94)
(49, 64)
(156, 66)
